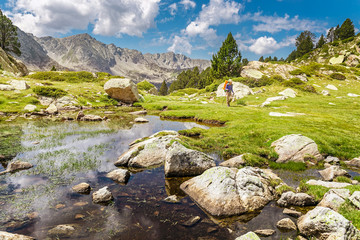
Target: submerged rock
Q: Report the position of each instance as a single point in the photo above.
(295, 147)
(61, 231)
(265, 232)
(295, 199)
(119, 175)
(223, 191)
(122, 89)
(192, 221)
(324, 223)
(103, 195)
(248, 236)
(82, 188)
(16, 166)
(332, 172)
(181, 161)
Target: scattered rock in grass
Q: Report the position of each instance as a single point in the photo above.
(331, 87)
(103, 195)
(119, 175)
(292, 213)
(82, 188)
(62, 231)
(223, 191)
(325, 93)
(332, 172)
(324, 223)
(334, 198)
(288, 93)
(122, 89)
(52, 109)
(141, 120)
(248, 236)
(288, 114)
(12, 236)
(295, 199)
(355, 199)
(286, 224)
(327, 184)
(330, 103)
(295, 147)
(251, 73)
(353, 95)
(5, 87)
(181, 161)
(30, 107)
(268, 101)
(142, 112)
(355, 162)
(337, 60)
(19, 84)
(235, 162)
(240, 90)
(265, 232)
(192, 221)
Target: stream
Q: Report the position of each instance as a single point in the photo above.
(67, 153)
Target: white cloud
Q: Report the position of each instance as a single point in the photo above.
(188, 4)
(173, 9)
(273, 24)
(180, 45)
(110, 17)
(268, 45)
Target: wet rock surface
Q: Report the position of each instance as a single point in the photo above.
(103, 195)
(286, 224)
(119, 175)
(82, 188)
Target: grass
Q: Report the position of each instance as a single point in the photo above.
(292, 166)
(317, 192)
(284, 188)
(350, 212)
(342, 179)
(145, 85)
(357, 178)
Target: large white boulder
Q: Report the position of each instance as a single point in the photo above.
(288, 93)
(240, 90)
(337, 60)
(6, 87)
(327, 184)
(334, 198)
(295, 199)
(19, 85)
(295, 147)
(223, 191)
(122, 89)
(251, 73)
(30, 107)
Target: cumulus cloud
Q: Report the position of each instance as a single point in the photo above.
(188, 4)
(273, 24)
(268, 45)
(173, 9)
(180, 45)
(109, 17)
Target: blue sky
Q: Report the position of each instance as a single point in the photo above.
(193, 28)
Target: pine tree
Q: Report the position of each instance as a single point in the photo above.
(292, 56)
(163, 89)
(275, 59)
(245, 61)
(346, 30)
(304, 43)
(261, 59)
(53, 68)
(227, 61)
(321, 41)
(8, 35)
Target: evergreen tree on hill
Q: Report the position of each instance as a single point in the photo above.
(346, 30)
(163, 89)
(261, 59)
(304, 43)
(227, 61)
(8, 35)
(321, 41)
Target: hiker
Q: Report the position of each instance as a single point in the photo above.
(229, 91)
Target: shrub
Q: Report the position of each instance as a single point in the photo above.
(2, 100)
(252, 82)
(145, 85)
(335, 43)
(347, 40)
(337, 76)
(49, 91)
(212, 87)
(296, 72)
(277, 78)
(307, 88)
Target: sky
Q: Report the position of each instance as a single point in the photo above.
(194, 28)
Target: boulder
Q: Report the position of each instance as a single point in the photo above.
(103, 195)
(119, 175)
(67, 103)
(248, 236)
(295, 147)
(62, 231)
(122, 89)
(352, 60)
(324, 223)
(181, 161)
(331, 87)
(30, 107)
(265, 232)
(295, 199)
(147, 153)
(332, 172)
(292, 213)
(19, 85)
(240, 90)
(5, 87)
(141, 120)
(223, 191)
(235, 162)
(52, 109)
(328, 184)
(355, 199)
(325, 93)
(332, 160)
(12, 236)
(251, 73)
(45, 101)
(334, 198)
(337, 60)
(271, 99)
(355, 162)
(82, 188)
(288, 93)
(286, 224)
(18, 165)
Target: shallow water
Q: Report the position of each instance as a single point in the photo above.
(64, 154)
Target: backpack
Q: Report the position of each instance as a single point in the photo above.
(226, 82)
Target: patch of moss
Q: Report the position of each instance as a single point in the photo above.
(351, 213)
(49, 91)
(284, 188)
(297, 72)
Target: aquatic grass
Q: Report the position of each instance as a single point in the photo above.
(291, 166)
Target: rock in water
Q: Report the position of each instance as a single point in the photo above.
(355, 162)
(141, 120)
(324, 223)
(295, 147)
(265, 232)
(332, 172)
(248, 236)
(223, 191)
(122, 89)
(11, 236)
(103, 195)
(181, 161)
(82, 188)
(286, 224)
(292, 213)
(295, 199)
(240, 90)
(119, 175)
(18, 165)
(63, 231)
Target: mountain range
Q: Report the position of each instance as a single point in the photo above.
(84, 53)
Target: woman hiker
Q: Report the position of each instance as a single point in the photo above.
(229, 92)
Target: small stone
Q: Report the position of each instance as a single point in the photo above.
(172, 199)
(119, 175)
(292, 213)
(103, 195)
(248, 236)
(211, 229)
(30, 107)
(82, 188)
(61, 231)
(331, 87)
(79, 216)
(286, 224)
(80, 115)
(141, 120)
(80, 204)
(52, 109)
(18, 165)
(265, 232)
(60, 206)
(143, 112)
(192, 221)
